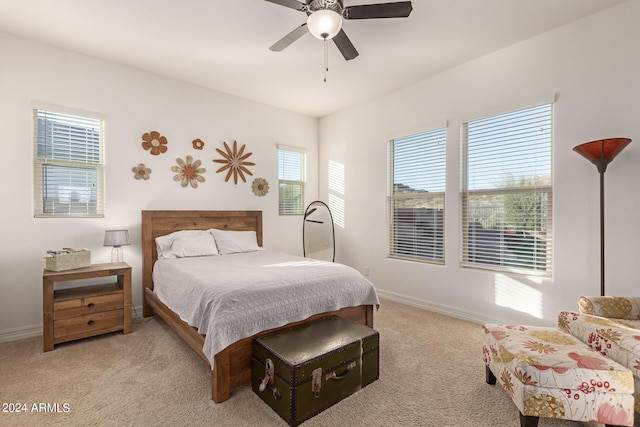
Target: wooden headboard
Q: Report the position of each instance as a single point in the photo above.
(159, 223)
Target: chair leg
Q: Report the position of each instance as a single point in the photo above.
(490, 378)
(528, 421)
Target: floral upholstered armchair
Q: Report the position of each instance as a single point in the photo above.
(611, 326)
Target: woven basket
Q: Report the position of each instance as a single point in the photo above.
(70, 261)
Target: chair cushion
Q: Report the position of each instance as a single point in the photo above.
(617, 339)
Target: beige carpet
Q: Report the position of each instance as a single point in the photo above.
(431, 374)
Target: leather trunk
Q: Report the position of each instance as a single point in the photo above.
(303, 370)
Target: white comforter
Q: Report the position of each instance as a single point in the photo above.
(229, 297)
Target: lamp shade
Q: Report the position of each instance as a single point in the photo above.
(602, 151)
(116, 238)
(324, 24)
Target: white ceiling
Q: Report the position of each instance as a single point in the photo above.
(224, 44)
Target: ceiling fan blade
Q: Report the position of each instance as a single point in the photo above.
(293, 4)
(289, 38)
(400, 9)
(345, 46)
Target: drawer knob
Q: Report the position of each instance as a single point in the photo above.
(91, 305)
(90, 322)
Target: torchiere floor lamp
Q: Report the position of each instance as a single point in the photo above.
(601, 153)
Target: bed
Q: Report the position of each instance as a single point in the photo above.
(231, 366)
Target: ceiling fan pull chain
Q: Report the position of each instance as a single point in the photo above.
(326, 60)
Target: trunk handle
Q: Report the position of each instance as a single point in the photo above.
(334, 377)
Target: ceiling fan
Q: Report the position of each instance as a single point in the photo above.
(324, 20)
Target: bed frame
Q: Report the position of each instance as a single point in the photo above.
(232, 366)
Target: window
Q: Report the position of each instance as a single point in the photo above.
(291, 180)
(68, 165)
(507, 196)
(416, 196)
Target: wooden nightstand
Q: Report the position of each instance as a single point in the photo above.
(81, 312)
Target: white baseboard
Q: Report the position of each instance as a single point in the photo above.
(20, 333)
(435, 307)
(23, 332)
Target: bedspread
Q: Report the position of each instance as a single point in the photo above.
(230, 297)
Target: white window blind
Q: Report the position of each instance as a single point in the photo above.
(291, 180)
(68, 165)
(507, 191)
(417, 176)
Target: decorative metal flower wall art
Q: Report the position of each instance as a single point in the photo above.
(188, 172)
(198, 144)
(260, 187)
(141, 171)
(234, 162)
(154, 142)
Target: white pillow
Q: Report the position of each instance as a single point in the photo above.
(186, 243)
(163, 245)
(231, 242)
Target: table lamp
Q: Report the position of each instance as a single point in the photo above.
(117, 239)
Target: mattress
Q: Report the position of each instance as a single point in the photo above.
(230, 297)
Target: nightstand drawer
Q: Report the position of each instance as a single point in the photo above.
(87, 324)
(87, 305)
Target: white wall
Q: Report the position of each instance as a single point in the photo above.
(134, 102)
(593, 67)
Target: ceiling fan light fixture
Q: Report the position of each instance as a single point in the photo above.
(324, 24)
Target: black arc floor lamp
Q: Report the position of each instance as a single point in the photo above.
(601, 153)
(315, 229)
